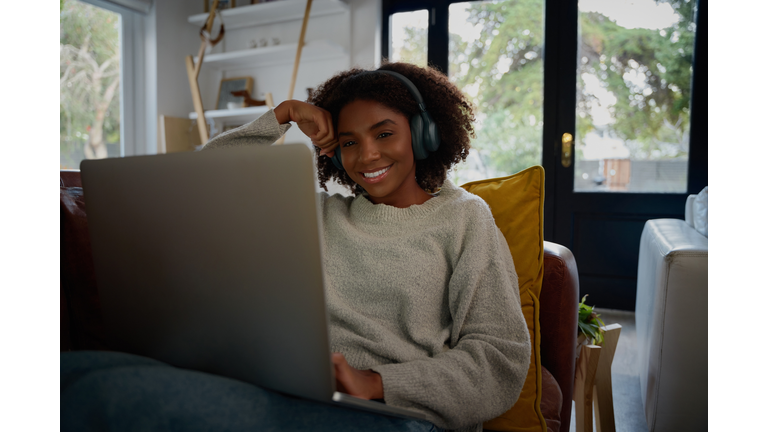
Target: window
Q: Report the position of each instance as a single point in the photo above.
(89, 38)
(633, 96)
(495, 57)
(409, 37)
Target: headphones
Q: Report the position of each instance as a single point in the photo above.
(425, 138)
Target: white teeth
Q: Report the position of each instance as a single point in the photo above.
(376, 174)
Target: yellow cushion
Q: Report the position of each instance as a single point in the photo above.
(517, 204)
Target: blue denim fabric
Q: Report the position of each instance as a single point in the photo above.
(123, 392)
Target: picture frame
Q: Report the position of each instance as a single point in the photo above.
(223, 4)
(229, 85)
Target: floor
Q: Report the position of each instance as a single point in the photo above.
(627, 406)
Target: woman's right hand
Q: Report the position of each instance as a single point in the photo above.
(314, 122)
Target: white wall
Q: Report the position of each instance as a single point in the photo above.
(366, 33)
(169, 38)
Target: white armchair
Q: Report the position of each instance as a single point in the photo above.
(671, 319)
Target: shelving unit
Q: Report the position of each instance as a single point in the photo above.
(328, 49)
(274, 55)
(233, 115)
(273, 13)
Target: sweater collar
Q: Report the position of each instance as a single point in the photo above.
(365, 211)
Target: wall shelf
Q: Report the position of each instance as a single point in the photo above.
(238, 115)
(274, 55)
(272, 13)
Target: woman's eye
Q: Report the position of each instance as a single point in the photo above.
(385, 134)
(347, 143)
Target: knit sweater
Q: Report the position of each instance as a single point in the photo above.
(426, 296)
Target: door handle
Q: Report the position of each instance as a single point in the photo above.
(566, 149)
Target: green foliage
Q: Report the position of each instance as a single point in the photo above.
(89, 73)
(590, 322)
(656, 113)
(504, 66)
(414, 49)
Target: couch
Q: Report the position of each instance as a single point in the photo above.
(671, 319)
(82, 324)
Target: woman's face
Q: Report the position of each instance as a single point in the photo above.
(376, 152)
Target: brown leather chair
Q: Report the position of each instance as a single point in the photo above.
(82, 323)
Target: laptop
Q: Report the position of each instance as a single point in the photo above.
(212, 261)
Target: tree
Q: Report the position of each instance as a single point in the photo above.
(415, 47)
(649, 72)
(89, 77)
(502, 71)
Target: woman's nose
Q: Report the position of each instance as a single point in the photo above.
(369, 152)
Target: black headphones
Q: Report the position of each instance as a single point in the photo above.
(425, 138)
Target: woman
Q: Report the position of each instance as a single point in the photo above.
(422, 293)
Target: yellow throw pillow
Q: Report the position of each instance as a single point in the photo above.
(517, 204)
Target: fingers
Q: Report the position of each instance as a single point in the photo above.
(324, 136)
(340, 367)
(329, 150)
(316, 123)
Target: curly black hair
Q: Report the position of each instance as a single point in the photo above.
(450, 109)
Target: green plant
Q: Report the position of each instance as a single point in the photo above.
(590, 322)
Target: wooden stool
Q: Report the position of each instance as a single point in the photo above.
(593, 384)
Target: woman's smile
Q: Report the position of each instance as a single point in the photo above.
(376, 176)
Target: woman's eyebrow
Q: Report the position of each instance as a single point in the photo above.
(377, 125)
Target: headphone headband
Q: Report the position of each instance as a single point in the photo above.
(408, 84)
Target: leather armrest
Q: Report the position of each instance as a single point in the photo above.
(70, 178)
(559, 300)
(81, 309)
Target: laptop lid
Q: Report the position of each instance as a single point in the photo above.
(212, 261)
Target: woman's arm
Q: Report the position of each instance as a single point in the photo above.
(313, 121)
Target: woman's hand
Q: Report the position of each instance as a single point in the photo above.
(314, 122)
(363, 384)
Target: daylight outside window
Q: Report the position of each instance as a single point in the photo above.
(634, 92)
(89, 75)
(495, 58)
(408, 41)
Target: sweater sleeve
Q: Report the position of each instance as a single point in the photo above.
(265, 130)
(482, 373)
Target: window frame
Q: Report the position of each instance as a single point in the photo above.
(437, 32)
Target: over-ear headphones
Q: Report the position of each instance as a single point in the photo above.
(425, 138)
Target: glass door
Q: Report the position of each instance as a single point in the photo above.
(620, 116)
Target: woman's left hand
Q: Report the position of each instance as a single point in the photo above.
(365, 384)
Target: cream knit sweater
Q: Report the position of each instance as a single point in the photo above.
(426, 296)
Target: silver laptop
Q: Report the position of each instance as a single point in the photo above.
(212, 261)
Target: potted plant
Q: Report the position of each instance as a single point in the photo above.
(589, 325)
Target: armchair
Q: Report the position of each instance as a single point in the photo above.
(671, 320)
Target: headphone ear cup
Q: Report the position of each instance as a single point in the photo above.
(431, 141)
(417, 138)
(336, 158)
